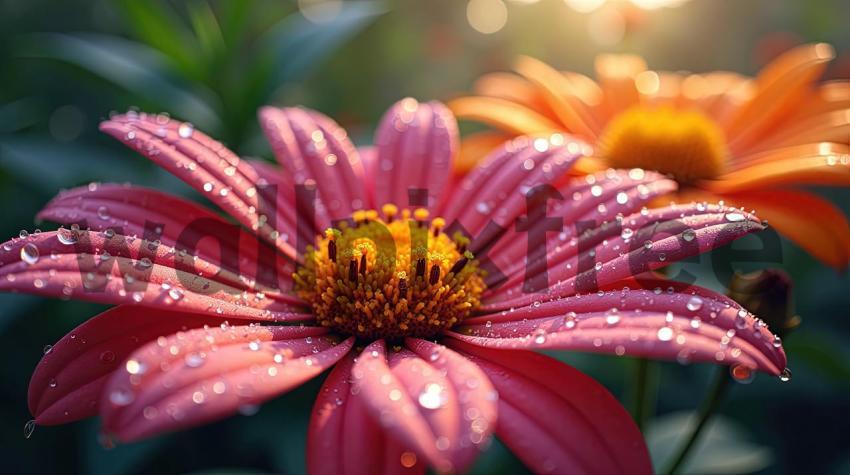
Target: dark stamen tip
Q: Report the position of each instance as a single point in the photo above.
(420, 268)
(352, 270)
(435, 274)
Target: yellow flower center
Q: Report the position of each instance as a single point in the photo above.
(685, 144)
(390, 277)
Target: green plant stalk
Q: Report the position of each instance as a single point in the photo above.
(709, 406)
(646, 389)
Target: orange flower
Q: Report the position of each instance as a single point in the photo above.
(751, 142)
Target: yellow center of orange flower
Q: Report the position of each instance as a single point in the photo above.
(390, 276)
(685, 144)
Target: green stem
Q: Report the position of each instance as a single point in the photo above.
(644, 399)
(707, 409)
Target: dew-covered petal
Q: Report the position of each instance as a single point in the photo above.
(345, 439)
(202, 375)
(117, 269)
(581, 204)
(421, 407)
(316, 151)
(208, 167)
(173, 222)
(642, 317)
(557, 419)
(496, 190)
(627, 246)
(67, 383)
(416, 144)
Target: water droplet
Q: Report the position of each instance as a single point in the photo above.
(53, 383)
(175, 294)
(29, 253)
(194, 360)
(689, 235)
(612, 317)
(66, 236)
(107, 356)
(433, 396)
(482, 207)
(138, 297)
(254, 345)
(135, 367)
(735, 217)
(785, 376)
(185, 130)
(665, 334)
(208, 187)
(23, 234)
(29, 428)
(103, 212)
(47, 349)
(742, 373)
(694, 304)
(121, 397)
(622, 198)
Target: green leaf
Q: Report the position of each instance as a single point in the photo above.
(135, 67)
(48, 165)
(119, 460)
(722, 449)
(298, 45)
(206, 28)
(159, 26)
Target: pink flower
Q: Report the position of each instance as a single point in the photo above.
(201, 328)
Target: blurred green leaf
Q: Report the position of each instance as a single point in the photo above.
(722, 449)
(48, 165)
(118, 460)
(15, 306)
(206, 28)
(128, 64)
(298, 45)
(19, 114)
(159, 26)
(822, 352)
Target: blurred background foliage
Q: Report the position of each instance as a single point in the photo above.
(66, 65)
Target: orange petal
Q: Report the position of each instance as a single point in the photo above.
(514, 88)
(831, 126)
(474, 147)
(560, 95)
(616, 75)
(502, 114)
(780, 86)
(830, 96)
(816, 164)
(814, 224)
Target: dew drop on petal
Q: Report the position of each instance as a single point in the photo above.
(194, 360)
(121, 397)
(689, 235)
(785, 376)
(29, 254)
(135, 367)
(665, 334)
(185, 130)
(694, 304)
(66, 236)
(735, 217)
(433, 396)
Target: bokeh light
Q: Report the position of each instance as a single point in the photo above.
(487, 16)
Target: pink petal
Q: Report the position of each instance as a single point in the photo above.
(117, 269)
(206, 374)
(416, 144)
(68, 381)
(606, 254)
(175, 222)
(207, 166)
(497, 189)
(443, 418)
(557, 419)
(672, 321)
(589, 202)
(345, 439)
(317, 151)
